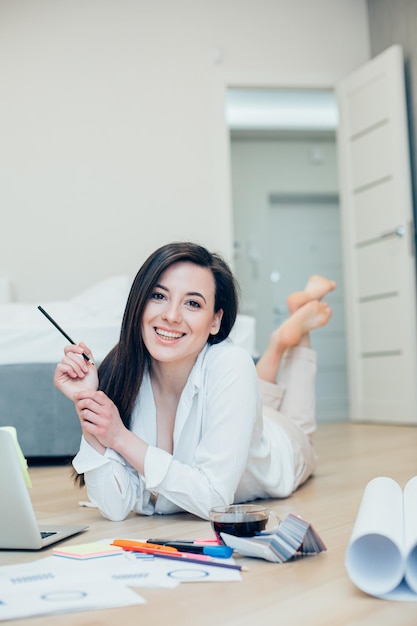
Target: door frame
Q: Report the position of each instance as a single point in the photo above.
(293, 83)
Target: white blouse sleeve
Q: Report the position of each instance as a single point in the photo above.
(112, 485)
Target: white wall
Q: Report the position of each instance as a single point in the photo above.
(112, 137)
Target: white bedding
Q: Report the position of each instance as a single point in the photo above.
(93, 316)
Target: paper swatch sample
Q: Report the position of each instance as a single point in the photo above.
(381, 557)
(88, 551)
(293, 537)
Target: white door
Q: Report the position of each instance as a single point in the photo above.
(378, 236)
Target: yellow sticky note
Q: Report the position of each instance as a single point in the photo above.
(88, 551)
(21, 457)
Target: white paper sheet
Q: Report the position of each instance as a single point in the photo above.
(44, 595)
(57, 584)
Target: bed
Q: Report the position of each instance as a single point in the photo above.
(30, 347)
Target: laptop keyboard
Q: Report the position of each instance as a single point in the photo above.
(47, 534)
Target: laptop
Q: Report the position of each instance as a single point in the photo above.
(19, 529)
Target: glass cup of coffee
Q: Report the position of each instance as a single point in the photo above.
(242, 520)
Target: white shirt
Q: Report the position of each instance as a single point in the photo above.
(224, 450)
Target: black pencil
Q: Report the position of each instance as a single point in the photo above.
(58, 327)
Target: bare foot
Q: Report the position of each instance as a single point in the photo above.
(308, 317)
(294, 331)
(317, 287)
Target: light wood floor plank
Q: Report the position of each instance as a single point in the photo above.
(313, 591)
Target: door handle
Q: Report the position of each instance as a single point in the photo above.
(399, 231)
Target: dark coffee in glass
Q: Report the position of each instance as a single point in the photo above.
(247, 526)
(241, 520)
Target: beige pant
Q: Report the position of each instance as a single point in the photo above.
(291, 403)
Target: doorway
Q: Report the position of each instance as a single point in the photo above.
(287, 227)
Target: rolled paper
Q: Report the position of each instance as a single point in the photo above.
(375, 557)
(410, 532)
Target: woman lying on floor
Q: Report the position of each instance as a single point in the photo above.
(177, 417)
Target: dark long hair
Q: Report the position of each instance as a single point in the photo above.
(121, 372)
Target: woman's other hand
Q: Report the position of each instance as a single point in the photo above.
(100, 418)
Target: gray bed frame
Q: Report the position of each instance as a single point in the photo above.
(45, 420)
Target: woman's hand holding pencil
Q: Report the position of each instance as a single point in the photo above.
(73, 373)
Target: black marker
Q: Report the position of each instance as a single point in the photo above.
(187, 546)
(86, 357)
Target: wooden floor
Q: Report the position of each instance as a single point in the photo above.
(313, 591)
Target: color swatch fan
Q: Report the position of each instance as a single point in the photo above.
(293, 537)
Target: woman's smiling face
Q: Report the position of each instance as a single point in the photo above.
(179, 315)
